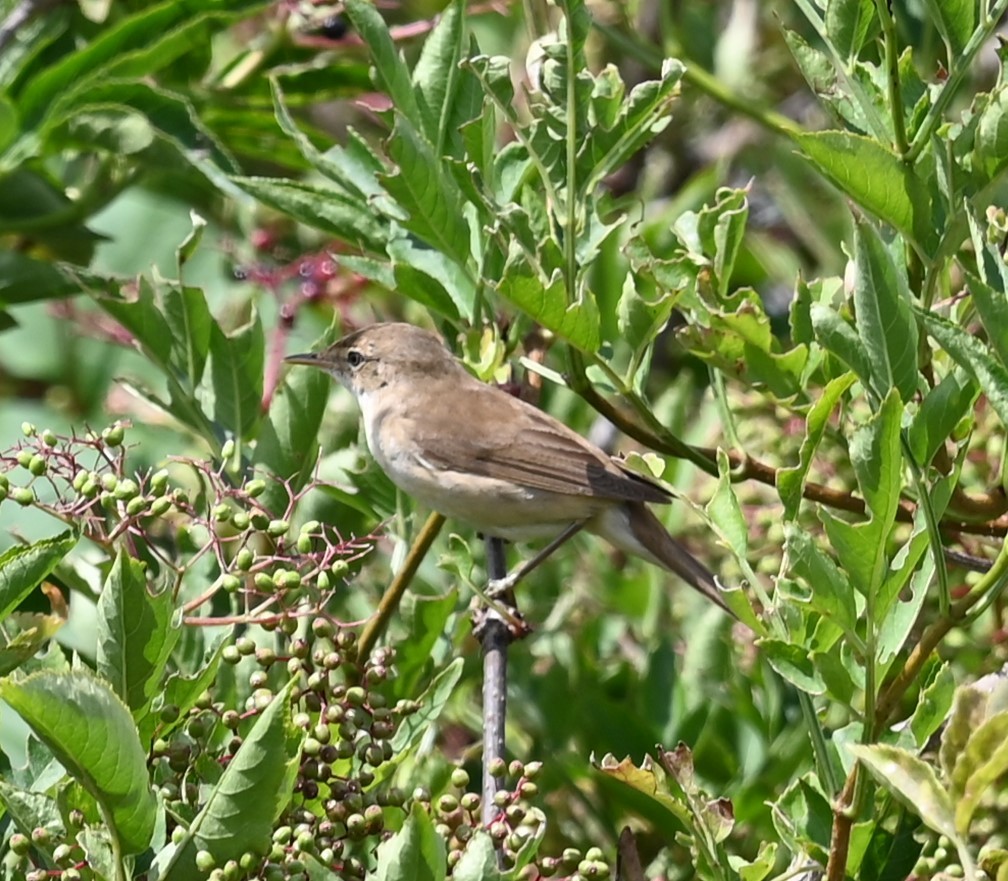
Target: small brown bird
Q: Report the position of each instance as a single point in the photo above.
(479, 455)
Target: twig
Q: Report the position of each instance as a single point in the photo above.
(390, 599)
(495, 636)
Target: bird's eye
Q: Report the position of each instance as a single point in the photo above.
(354, 358)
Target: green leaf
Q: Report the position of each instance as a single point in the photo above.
(288, 441)
(24, 279)
(255, 788)
(934, 704)
(821, 74)
(794, 664)
(983, 761)
(431, 278)
(955, 20)
(236, 373)
(641, 116)
(390, 72)
(92, 734)
(837, 336)
(875, 178)
(875, 455)
(428, 194)
(791, 481)
(437, 75)
(974, 356)
(479, 860)
(990, 291)
(432, 703)
(416, 852)
(349, 219)
(912, 781)
(24, 567)
(939, 413)
(135, 30)
(546, 303)
(885, 321)
(135, 634)
(848, 23)
(990, 148)
(830, 592)
(189, 323)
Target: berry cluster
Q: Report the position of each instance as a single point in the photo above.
(273, 570)
(318, 277)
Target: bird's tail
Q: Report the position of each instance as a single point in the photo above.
(633, 528)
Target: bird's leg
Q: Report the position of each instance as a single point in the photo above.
(502, 586)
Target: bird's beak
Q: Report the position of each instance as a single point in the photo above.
(311, 359)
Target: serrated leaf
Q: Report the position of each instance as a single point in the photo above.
(23, 568)
(390, 70)
(91, 732)
(885, 321)
(135, 634)
(287, 443)
(236, 374)
(415, 852)
(546, 302)
(648, 779)
(349, 219)
(478, 861)
(431, 279)
(254, 789)
(429, 195)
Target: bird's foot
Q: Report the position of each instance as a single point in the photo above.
(491, 609)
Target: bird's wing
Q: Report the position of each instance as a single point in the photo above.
(524, 446)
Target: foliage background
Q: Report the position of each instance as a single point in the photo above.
(823, 163)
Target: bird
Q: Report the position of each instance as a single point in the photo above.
(478, 455)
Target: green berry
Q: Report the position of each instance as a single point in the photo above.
(304, 543)
(240, 519)
(340, 568)
(205, 860)
(24, 457)
(37, 465)
(255, 488)
(126, 489)
(23, 496)
(159, 482)
(114, 435)
(221, 513)
(228, 450)
(27, 429)
(264, 582)
(136, 506)
(244, 559)
(230, 583)
(49, 438)
(277, 527)
(160, 507)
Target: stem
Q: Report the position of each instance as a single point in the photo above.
(495, 638)
(393, 594)
(888, 23)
